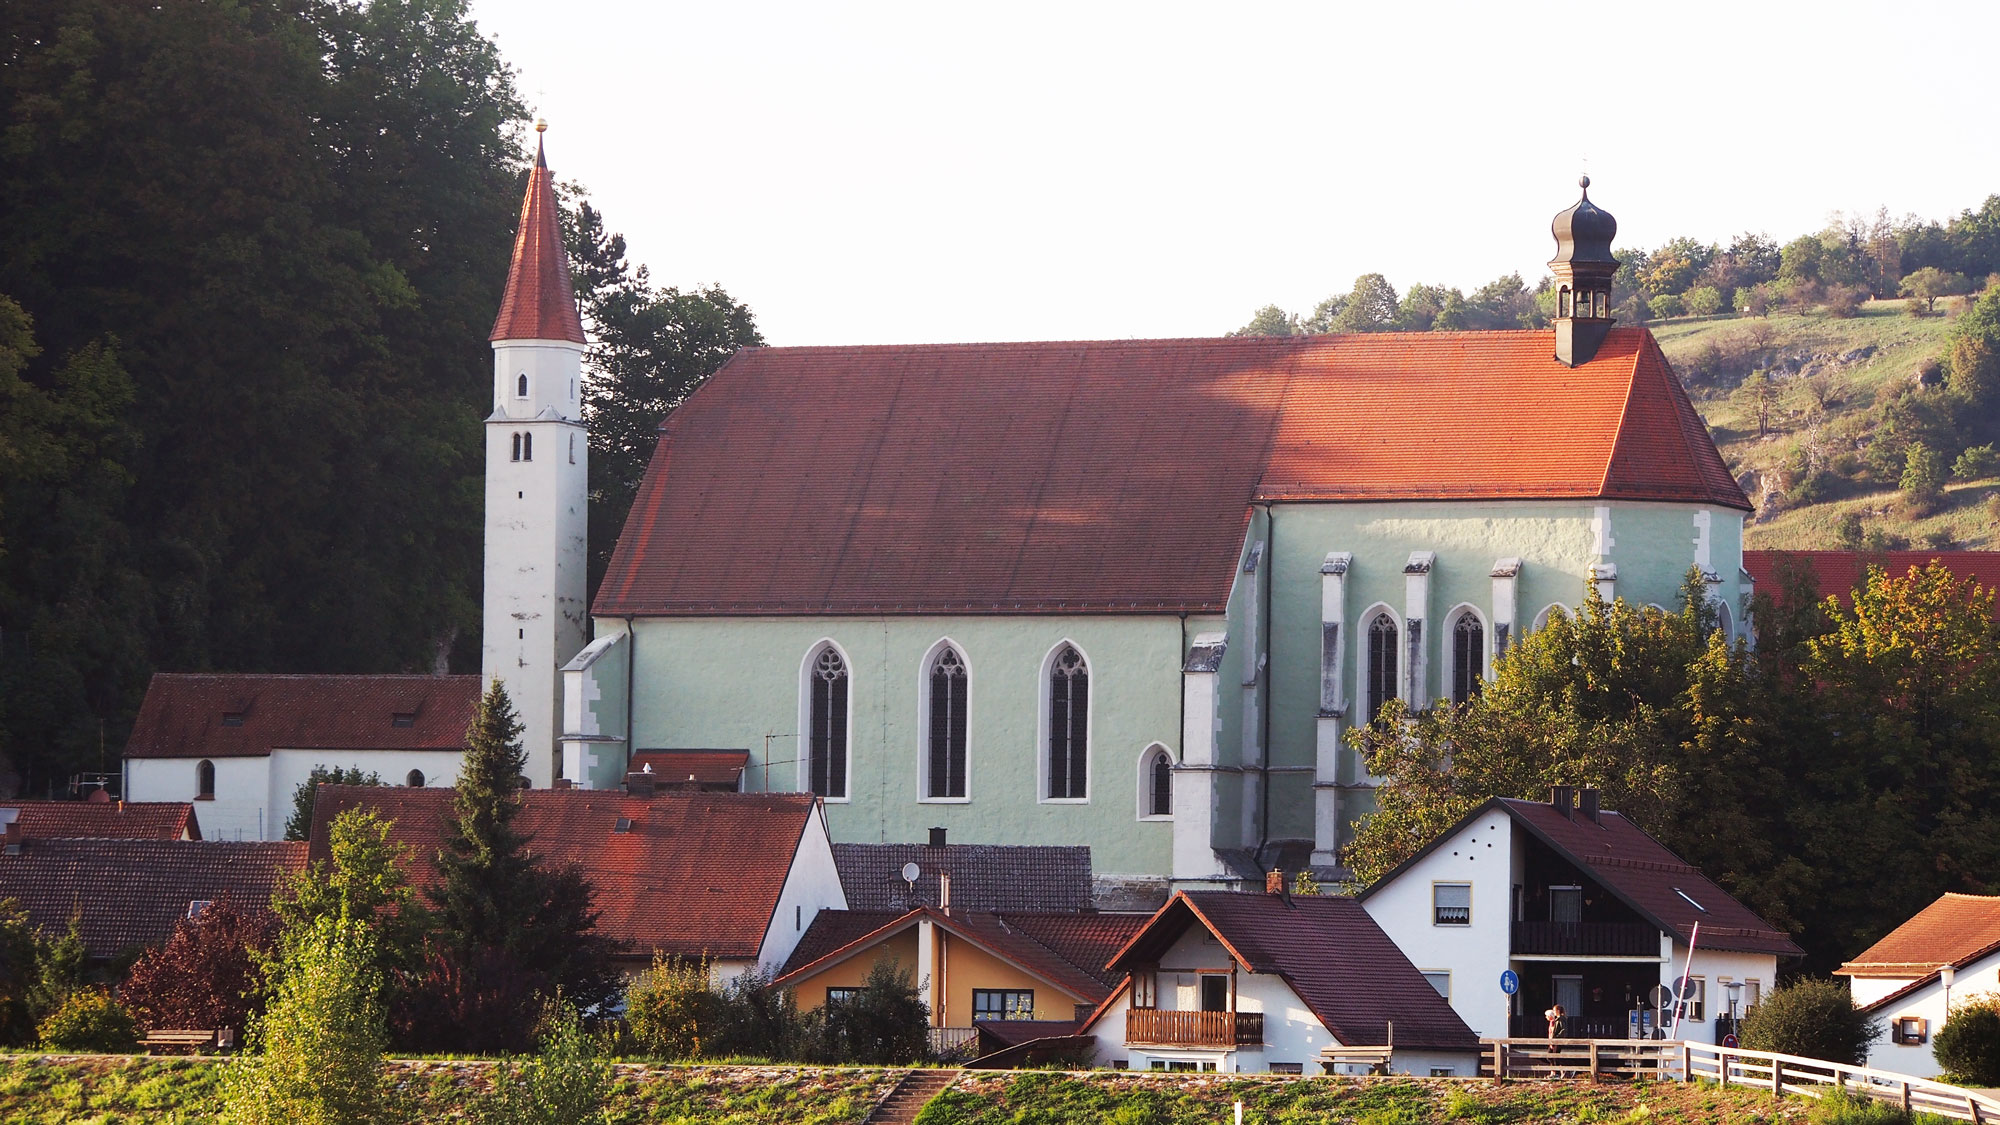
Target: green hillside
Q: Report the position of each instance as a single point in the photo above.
(1810, 469)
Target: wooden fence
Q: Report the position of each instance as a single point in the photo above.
(1681, 1061)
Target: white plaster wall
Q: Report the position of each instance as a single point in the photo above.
(1481, 854)
(552, 367)
(1867, 990)
(812, 885)
(1461, 1064)
(1717, 967)
(239, 810)
(1928, 1003)
(290, 768)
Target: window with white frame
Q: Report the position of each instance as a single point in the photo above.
(1549, 613)
(1753, 992)
(1381, 669)
(1439, 979)
(1069, 726)
(945, 728)
(1451, 904)
(826, 732)
(1156, 777)
(1468, 656)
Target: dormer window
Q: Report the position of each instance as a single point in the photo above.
(198, 907)
(403, 719)
(521, 386)
(232, 718)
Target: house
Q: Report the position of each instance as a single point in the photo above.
(1009, 877)
(1837, 574)
(1950, 950)
(1223, 981)
(239, 746)
(1047, 968)
(100, 819)
(1585, 910)
(127, 894)
(1130, 595)
(732, 879)
(717, 771)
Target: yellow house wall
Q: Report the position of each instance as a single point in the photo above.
(902, 948)
(966, 967)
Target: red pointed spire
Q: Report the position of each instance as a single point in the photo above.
(539, 303)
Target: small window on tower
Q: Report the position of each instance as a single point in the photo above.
(527, 447)
(572, 449)
(572, 390)
(521, 386)
(517, 447)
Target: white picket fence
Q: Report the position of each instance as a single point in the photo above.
(1678, 1060)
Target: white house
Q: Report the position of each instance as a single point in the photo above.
(1233, 982)
(1586, 910)
(239, 746)
(1948, 952)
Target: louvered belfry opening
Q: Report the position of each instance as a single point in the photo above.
(828, 736)
(949, 682)
(1069, 725)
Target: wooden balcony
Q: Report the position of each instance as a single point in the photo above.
(1587, 939)
(1153, 1027)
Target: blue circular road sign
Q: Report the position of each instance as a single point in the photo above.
(1509, 982)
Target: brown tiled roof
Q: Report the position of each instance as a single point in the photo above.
(1840, 573)
(104, 820)
(183, 715)
(129, 893)
(539, 303)
(983, 876)
(1113, 476)
(1652, 880)
(694, 874)
(702, 767)
(1332, 954)
(1955, 930)
(1012, 936)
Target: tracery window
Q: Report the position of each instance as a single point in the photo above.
(1468, 656)
(1381, 663)
(1069, 725)
(946, 729)
(1159, 774)
(826, 738)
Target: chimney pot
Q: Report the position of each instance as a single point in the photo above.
(937, 837)
(1274, 882)
(1562, 797)
(1586, 803)
(944, 891)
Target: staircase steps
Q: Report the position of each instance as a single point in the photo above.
(909, 1095)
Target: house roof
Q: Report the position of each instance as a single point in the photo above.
(1957, 930)
(702, 767)
(1840, 573)
(1039, 944)
(539, 303)
(130, 893)
(983, 876)
(1334, 956)
(1112, 476)
(103, 820)
(229, 715)
(1659, 885)
(693, 874)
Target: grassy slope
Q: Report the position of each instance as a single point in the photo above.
(1901, 343)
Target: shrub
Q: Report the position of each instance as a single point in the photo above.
(884, 1022)
(1923, 475)
(1916, 307)
(1813, 1018)
(1704, 300)
(1968, 1045)
(1939, 540)
(1666, 305)
(90, 1020)
(205, 977)
(566, 1083)
(753, 1018)
(1977, 461)
(670, 1009)
(1844, 301)
(1754, 300)
(320, 1041)
(1851, 531)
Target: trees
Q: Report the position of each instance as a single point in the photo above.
(1968, 1045)
(1815, 1019)
(206, 976)
(1923, 476)
(37, 973)
(319, 1044)
(299, 825)
(1703, 300)
(1930, 283)
(1371, 306)
(1757, 395)
(1270, 321)
(365, 883)
(883, 1023)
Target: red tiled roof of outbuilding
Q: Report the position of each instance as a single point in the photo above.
(1953, 930)
(105, 820)
(539, 303)
(694, 874)
(1113, 476)
(184, 715)
(1839, 573)
(129, 893)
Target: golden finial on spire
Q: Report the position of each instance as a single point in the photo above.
(541, 124)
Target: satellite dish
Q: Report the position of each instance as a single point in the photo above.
(910, 872)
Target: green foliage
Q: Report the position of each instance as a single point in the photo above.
(90, 1020)
(1812, 1018)
(1930, 283)
(319, 1044)
(1976, 461)
(565, 1083)
(1923, 474)
(1758, 395)
(37, 973)
(1666, 305)
(1704, 300)
(1270, 321)
(365, 883)
(670, 1009)
(884, 1022)
(1968, 1045)
(299, 825)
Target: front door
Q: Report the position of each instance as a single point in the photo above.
(1214, 993)
(1569, 993)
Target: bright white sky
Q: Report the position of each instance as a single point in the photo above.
(948, 171)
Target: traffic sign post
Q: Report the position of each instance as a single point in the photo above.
(1510, 983)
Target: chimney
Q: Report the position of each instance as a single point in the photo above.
(1586, 803)
(944, 891)
(13, 837)
(937, 837)
(1274, 882)
(1560, 796)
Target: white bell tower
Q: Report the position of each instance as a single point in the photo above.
(537, 469)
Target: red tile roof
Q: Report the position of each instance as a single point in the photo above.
(1954, 930)
(1037, 877)
(1113, 476)
(186, 716)
(539, 303)
(694, 874)
(702, 767)
(104, 820)
(1326, 947)
(130, 893)
(1840, 573)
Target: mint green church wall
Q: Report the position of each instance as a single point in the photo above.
(734, 683)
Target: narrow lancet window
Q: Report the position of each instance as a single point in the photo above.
(1381, 663)
(827, 738)
(945, 774)
(1069, 725)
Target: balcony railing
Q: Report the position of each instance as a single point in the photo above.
(1159, 1028)
(1587, 939)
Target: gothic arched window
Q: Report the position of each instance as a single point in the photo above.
(1157, 779)
(945, 730)
(521, 386)
(527, 447)
(204, 778)
(1069, 726)
(1549, 613)
(826, 735)
(414, 779)
(1381, 662)
(1468, 656)
(517, 447)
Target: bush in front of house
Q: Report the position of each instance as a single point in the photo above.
(884, 1022)
(1815, 1019)
(90, 1020)
(1968, 1045)
(205, 977)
